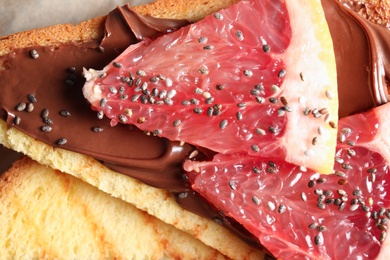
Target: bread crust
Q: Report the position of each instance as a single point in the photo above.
(54, 35)
(192, 10)
(157, 202)
(376, 11)
(39, 204)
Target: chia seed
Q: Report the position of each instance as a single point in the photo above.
(177, 122)
(232, 185)
(321, 205)
(255, 200)
(329, 201)
(61, 141)
(321, 180)
(117, 64)
(21, 106)
(313, 225)
(223, 124)
(47, 121)
(282, 73)
(45, 113)
(141, 73)
(311, 184)
(218, 16)
(97, 129)
(199, 110)
(219, 87)
(342, 205)
(30, 107)
(255, 148)
(46, 128)
(282, 208)
(260, 131)
(157, 132)
(273, 100)
(260, 100)
(100, 49)
(248, 73)
(240, 35)
(208, 47)
(321, 228)
(357, 192)
(34, 54)
(318, 240)
(257, 171)
(122, 119)
(266, 48)
(17, 120)
(100, 115)
(202, 40)
(65, 113)
(31, 98)
(103, 102)
(239, 116)
(272, 129)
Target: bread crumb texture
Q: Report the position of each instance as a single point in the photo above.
(42, 216)
(46, 214)
(54, 35)
(376, 11)
(192, 10)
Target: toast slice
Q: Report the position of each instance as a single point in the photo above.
(156, 202)
(52, 215)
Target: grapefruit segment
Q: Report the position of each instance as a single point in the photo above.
(258, 78)
(299, 214)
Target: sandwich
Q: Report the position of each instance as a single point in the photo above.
(272, 163)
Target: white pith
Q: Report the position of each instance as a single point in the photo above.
(90, 91)
(319, 79)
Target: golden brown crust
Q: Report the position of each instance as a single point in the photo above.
(54, 35)
(192, 10)
(156, 202)
(39, 204)
(377, 11)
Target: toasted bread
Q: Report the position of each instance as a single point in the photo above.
(47, 214)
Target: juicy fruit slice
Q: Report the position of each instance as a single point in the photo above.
(246, 79)
(300, 214)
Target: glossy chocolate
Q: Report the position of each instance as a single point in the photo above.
(362, 51)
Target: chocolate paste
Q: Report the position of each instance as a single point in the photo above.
(55, 80)
(362, 51)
